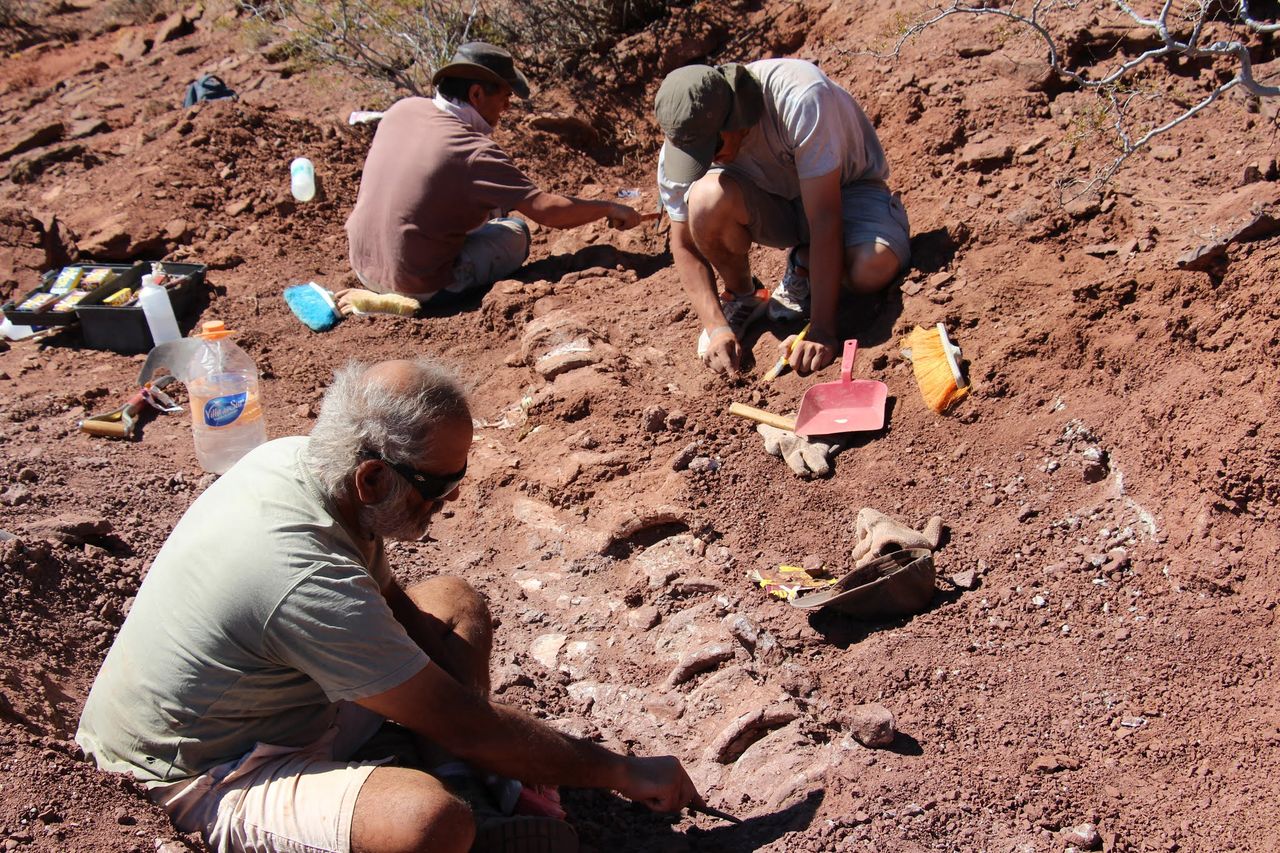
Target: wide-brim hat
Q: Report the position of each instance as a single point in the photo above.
(478, 60)
(889, 587)
(693, 105)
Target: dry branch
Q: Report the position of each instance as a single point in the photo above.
(1183, 38)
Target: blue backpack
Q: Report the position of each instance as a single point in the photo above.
(209, 87)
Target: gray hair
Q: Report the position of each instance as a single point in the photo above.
(396, 422)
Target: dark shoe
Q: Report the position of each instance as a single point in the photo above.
(520, 834)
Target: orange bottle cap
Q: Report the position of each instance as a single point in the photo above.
(212, 330)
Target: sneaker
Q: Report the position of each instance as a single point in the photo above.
(791, 296)
(522, 834)
(739, 312)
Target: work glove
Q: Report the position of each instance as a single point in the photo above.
(877, 534)
(806, 457)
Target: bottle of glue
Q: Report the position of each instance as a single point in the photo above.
(156, 307)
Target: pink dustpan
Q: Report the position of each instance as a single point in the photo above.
(846, 406)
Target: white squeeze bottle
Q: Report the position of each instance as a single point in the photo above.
(158, 310)
(302, 179)
(226, 411)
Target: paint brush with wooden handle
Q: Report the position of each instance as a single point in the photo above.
(785, 360)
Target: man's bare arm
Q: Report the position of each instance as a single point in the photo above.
(821, 199)
(505, 740)
(699, 282)
(562, 211)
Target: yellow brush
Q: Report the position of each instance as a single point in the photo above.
(785, 360)
(936, 362)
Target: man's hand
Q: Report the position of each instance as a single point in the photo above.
(724, 353)
(809, 355)
(660, 782)
(623, 217)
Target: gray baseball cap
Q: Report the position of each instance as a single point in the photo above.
(478, 60)
(693, 105)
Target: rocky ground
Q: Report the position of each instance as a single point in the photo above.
(1097, 669)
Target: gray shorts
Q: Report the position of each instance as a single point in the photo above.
(871, 214)
(493, 251)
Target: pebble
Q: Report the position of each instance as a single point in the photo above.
(655, 419)
(644, 618)
(872, 725)
(1025, 512)
(1084, 835)
(965, 579)
(546, 649)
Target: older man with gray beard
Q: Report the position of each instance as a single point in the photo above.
(270, 642)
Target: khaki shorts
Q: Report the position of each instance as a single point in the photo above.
(871, 214)
(280, 799)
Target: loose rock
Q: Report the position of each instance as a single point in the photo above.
(872, 725)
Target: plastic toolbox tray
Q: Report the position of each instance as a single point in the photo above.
(47, 317)
(124, 329)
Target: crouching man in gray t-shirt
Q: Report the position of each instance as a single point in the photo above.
(270, 642)
(774, 153)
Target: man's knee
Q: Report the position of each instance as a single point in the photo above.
(453, 601)
(714, 199)
(443, 823)
(871, 267)
(406, 810)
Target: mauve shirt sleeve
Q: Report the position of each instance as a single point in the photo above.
(496, 182)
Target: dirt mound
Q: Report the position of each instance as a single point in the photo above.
(1096, 652)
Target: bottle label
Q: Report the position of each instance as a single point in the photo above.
(221, 411)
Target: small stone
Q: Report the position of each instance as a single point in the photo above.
(1084, 835)
(655, 419)
(743, 629)
(15, 495)
(1026, 512)
(546, 650)
(643, 618)
(965, 579)
(1166, 153)
(687, 454)
(124, 818)
(236, 208)
(872, 725)
(701, 659)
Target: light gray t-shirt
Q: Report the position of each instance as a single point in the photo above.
(259, 613)
(809, 128)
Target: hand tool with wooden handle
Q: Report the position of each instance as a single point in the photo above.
(760, 416)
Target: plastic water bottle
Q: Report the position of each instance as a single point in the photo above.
(158, 310)
(226, 411)
(302, 179)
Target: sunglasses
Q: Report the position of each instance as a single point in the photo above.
(432, 487)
